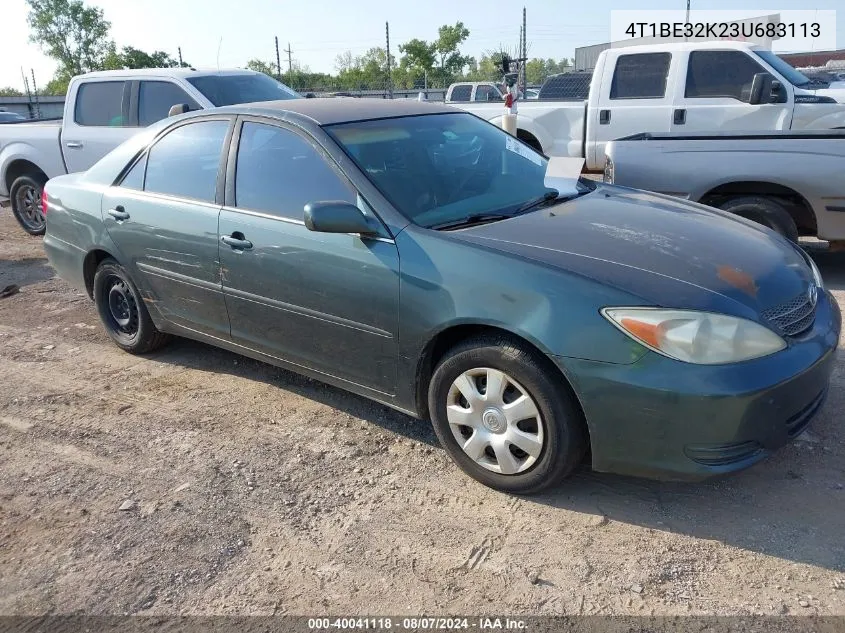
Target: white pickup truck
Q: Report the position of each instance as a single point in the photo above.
(685, 87)
(788, 181)
(102, 110)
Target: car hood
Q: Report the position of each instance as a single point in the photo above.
(667, 251)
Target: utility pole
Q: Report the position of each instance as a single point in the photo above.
(35, 92)
(181, 63)
(523, 54)
(28, 94)
(387, 49)
(278, 60)
(290, 65)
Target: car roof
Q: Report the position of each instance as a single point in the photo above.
(326, 111)
(165, 72)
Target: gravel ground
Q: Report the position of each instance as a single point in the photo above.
(195, 481)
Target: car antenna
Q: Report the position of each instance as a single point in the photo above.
(218, 53)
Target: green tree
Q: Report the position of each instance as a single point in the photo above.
(130, 57)
(418, 58)
(260, 66)
(57, 86)
(450, 60)
(8, 91)
(74, 35)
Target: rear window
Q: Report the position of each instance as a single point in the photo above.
(460, 93)
(100, 103)
(568, 86)
(223, 90)
(641, 76)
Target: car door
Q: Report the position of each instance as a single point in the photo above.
(100, 123)
(328, 302)
(163, 216)
(716, 93)
(635, 98)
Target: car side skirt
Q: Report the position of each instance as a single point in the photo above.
(361, 390)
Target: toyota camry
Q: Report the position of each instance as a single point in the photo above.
(421, 257)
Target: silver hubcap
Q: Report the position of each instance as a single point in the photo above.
(495, 421)
(29, 204)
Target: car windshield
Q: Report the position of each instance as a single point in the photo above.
(442, 169)
(792, 76)
(223, 90)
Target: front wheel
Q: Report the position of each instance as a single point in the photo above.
(123, 312)
(25, 194)
(505, 417)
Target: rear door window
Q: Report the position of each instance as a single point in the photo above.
(461, 93)
(100, 103)
(155, 98)
(640, 76)
(185, 162)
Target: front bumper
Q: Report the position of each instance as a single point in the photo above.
(665, 419)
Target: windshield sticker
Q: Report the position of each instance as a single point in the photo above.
(516, 147)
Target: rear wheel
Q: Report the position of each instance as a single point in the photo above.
(122, 310)
(25, 194)
(766, 211)
(504, 417)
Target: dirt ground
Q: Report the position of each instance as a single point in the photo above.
(254, 491)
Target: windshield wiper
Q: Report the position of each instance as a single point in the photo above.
(471, 220)
(549, 196)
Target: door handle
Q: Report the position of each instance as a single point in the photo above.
(74, 145)
(236, 241)
(680, 116)
(604, 117)
(118, 213)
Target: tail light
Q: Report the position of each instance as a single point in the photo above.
(44, 202)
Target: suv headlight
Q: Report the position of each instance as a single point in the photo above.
(702, 338)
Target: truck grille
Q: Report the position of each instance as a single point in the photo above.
(792, 317)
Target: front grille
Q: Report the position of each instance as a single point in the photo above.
(798, 422)
(792, 317)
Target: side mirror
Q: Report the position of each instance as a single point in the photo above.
(179, 108)
(337, 216)
(761, 89)
(778, 94)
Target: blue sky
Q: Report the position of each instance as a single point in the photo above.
(318, 30)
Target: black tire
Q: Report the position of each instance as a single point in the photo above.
(26, 191)
(564, 428)
(766, 211)
(122, 310)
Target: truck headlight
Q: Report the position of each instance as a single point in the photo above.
(702, 338)
(608, 170)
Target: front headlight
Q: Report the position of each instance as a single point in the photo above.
(817, 275)
(696, 337)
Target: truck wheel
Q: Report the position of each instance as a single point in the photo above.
(26, 202)
(766, 211)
